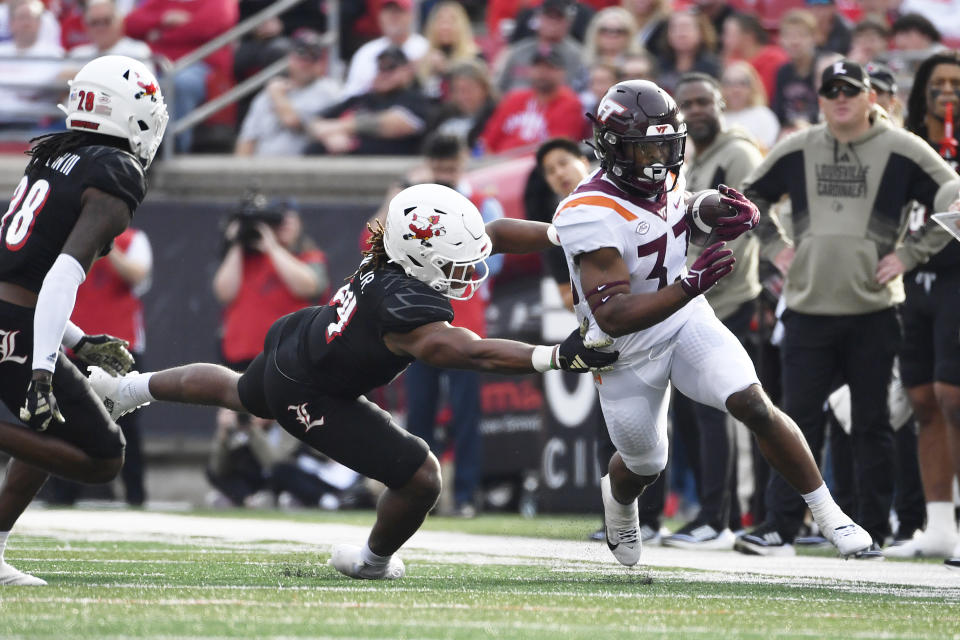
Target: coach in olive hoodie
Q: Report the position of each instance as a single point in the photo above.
(848, 181)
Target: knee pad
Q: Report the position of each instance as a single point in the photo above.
(649, 462)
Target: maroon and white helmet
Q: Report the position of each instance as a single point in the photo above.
(639, 136)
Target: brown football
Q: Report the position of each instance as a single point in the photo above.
(703, 210)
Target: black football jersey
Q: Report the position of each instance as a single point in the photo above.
(46, 205)
(341, 347)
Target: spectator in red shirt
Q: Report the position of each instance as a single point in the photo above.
(174, 28)
(108, 302)
(529, 116)
(270, 269)
(744, 38)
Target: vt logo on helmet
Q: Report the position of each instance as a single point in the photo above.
(437, 236)
(118, 96)
(639, 136)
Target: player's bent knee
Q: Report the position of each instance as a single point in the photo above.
(751, 407)
(647, 464)
(103, 470)
(426, 483)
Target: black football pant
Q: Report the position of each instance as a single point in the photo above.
(859, 350)
(909, 501)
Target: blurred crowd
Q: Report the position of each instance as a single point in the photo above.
(502, 75)
(453, 80)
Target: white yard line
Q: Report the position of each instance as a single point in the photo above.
(872, 576)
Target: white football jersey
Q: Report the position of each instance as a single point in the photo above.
(650, 235)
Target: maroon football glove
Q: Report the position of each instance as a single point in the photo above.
(714, 263)
(746, 218)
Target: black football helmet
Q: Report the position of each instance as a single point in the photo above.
(639, 136)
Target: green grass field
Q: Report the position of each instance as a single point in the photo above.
(213, 588)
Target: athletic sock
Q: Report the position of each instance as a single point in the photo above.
(940, 518)
(137, 387)
(3, 543)
(372, 559)
(820, 502)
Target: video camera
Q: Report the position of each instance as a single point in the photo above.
(254, 209)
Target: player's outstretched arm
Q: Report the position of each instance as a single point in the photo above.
(605, 279)
(510, 235)
(447, 347)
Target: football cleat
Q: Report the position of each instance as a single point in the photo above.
(700, 535)
(622, 525)
(10, 576)
(113, 391)
(346, 559)
(873, 552)
(926, 544)
(651, 536)
(952, 563)
(765, 540)
(846, 535)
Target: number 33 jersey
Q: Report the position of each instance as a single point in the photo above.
(47, 203)
(651, 237)
(340, 347)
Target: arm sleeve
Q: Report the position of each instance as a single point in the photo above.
(54, 306)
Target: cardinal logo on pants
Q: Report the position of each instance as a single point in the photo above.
(303, 416)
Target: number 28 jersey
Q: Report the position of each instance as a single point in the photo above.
(651, 237)
(47, 202)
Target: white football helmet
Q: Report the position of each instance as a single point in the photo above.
(118, 96)
(437, 236)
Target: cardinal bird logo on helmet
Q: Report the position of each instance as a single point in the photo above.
(423, 228)
(149, 90)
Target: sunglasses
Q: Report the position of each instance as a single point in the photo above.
(833, 91)
(616, 31)
(99, 22)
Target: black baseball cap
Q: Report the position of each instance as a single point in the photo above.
(394, 55)
(881, 77)
(844, 71)
(308, 43)
(559, 7)
(548, 54)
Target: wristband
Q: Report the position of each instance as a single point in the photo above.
(543, 358)
(552, 235)
(72, 335)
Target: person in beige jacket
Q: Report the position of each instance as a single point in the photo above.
(848, 180)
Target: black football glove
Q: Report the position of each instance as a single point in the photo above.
(40, 406)
(107, 352)
(572, 355)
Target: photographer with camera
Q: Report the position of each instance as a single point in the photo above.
(269, 269)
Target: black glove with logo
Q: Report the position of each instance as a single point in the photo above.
(107, 352)
(40, 406)
(573, 355)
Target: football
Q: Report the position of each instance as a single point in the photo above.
(704, 208)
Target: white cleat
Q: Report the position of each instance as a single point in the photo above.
(346, 560)
(112, 391)
(14, 577)
(846, 535)
(926, 544)
(622, 523)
